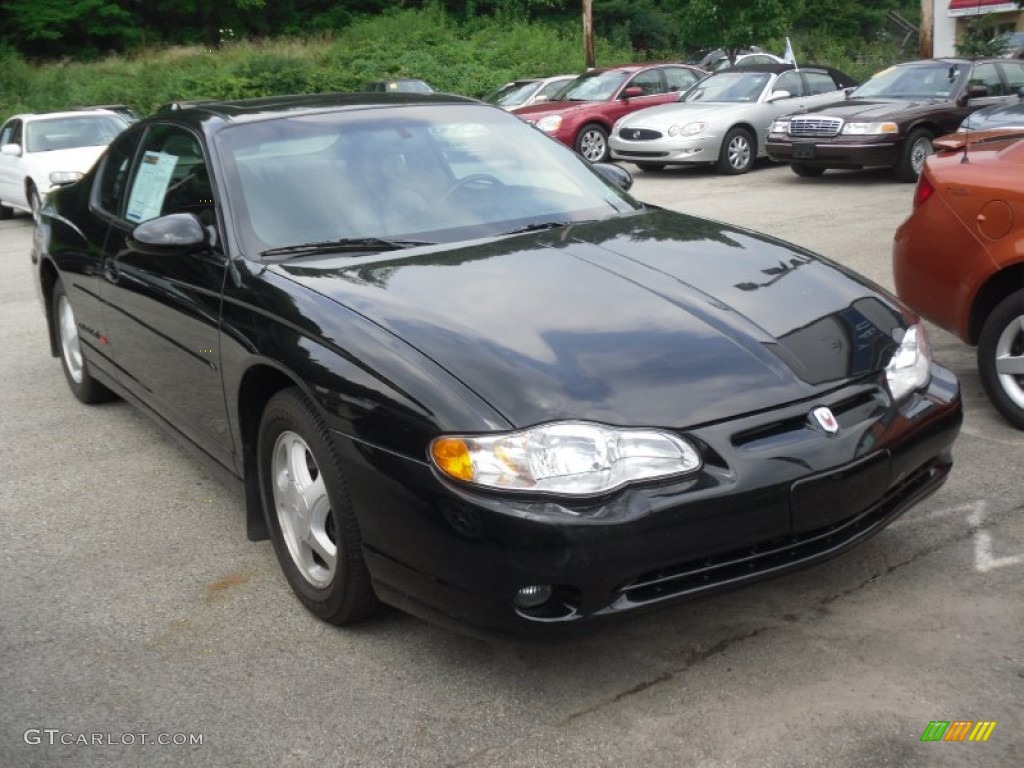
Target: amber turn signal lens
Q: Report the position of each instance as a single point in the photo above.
(451, 455)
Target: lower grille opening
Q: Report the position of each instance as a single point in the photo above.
(778, 555)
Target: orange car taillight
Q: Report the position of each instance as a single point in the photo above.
(924, 190)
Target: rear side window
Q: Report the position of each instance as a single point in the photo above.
(819, 82)
(1014, 72)
(679, 79)
(114, 173)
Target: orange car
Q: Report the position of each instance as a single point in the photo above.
(958, 259)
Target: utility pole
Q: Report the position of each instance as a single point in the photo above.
(588, 33)
(927, 28)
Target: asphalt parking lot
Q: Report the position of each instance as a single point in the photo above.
(134, 611)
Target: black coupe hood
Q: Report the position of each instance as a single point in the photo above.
(650, 319)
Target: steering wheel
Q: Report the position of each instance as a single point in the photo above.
(484, 179)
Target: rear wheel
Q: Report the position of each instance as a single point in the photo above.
(592, 143)
(915, 152)
(651, 167)
(737, 153)
(76, 368)
(309, 512)
(806, 171)
(1001, 358)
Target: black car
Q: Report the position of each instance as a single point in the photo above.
(461, 371)
(892, 118)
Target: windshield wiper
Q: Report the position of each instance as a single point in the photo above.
(346, 245)
(539, 226)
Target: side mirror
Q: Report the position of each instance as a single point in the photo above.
(617, 175)
(973, 92)
(11, 149)
(176, 233)
(632, 92)
(779, 95)
(541, 99)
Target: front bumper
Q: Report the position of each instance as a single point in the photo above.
(775, 495)
(700, 149)
(840, 152)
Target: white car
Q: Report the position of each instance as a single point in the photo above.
(39, 152)
(723, 119)
(527, 91)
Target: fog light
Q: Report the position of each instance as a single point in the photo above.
(534, 596)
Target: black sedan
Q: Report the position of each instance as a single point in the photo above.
(461, 371)
(892, 118)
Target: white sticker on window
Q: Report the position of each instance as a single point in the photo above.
(150, 187)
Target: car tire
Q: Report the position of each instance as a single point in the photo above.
(806, 171)
(5, 212)
(35, 203)
(592, 143)
(651, 167)
(737, 153)
(915, 151)
(76, 368)
(1001, 358)
(309, 511)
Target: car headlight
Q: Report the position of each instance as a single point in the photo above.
(690, 129)
(64, 177)
(550, 123)
(570, 458)
(869, 129)
(911, 364)
(779, 126)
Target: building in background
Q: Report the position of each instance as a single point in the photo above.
(950, 16)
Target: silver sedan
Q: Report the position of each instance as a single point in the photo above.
(723, 119)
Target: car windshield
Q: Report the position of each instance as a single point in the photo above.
(432, 173)
(594, 86)
(513, 94)
(729, 87)
(71, 132)
(934, 80)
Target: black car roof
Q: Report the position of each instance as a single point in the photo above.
(245, 110)
(844, 80)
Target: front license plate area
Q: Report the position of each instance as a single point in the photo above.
(803, 152)
(818, 502)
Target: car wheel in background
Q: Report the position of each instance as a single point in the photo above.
(651, 167)
(915, 152)
(1001, 358)
(309, 512)
(806, 171)
(76, 369)
(737, 153)
(592, 143)
(34, 202)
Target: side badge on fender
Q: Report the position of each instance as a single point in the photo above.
(824, 418)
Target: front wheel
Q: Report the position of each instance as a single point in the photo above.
(34, 201)
(737, 153)
(915, 152)
(309, 512)
(592, 143)
(806, 171)
(76, 367)
(1001, 358)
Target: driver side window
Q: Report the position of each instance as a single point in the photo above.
(649, 82)
(789, 81)
(170, 177)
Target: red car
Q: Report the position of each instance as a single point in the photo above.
(958, 259)
(590, 105)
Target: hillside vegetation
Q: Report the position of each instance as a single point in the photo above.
(468, 57)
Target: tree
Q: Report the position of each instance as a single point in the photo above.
(737, 24)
